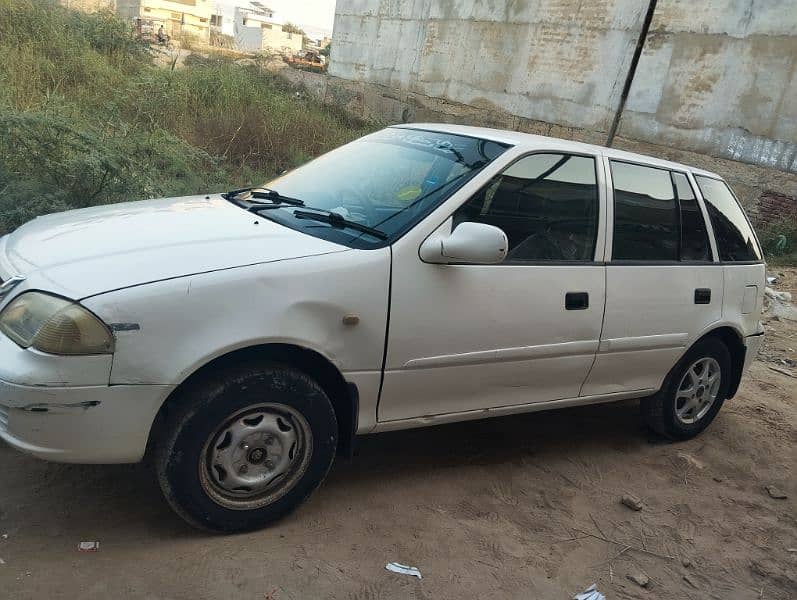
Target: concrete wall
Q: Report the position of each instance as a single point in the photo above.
(549, 60)
(384, 104)
(716, 76)
(246, 38)
(720, 77)
(281, 41)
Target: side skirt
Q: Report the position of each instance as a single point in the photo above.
(499, 411)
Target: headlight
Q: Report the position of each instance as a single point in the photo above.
(54, 325)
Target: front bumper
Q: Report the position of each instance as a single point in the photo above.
(90, 424)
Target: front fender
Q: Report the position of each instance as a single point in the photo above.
(167, 330)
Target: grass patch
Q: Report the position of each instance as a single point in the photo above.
(779, 241)
(86, 118)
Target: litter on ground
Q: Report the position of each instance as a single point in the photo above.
(403, 569)
(591, 593)
(88, 547)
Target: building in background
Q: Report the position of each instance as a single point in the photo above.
(178, 17)
(256, 29)
(216, 23)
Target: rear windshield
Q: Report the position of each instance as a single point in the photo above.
(735, 239)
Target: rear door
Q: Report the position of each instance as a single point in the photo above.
(663, 285)
(740, 254)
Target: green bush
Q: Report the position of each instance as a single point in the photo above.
(87, 118)
(779, 240)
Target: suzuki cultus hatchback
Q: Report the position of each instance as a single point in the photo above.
(420, 275)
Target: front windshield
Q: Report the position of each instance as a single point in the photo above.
(388, 180)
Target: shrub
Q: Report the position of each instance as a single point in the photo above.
(87, 118)
(53, 161)
(779, 240)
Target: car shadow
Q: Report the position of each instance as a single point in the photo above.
(88, 501)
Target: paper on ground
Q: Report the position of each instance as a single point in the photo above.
(403, 569)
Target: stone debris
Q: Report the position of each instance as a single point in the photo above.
(640, 579)
(690, 582)
(775, 492)
(631, 502)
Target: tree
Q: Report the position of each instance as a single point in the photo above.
(291, 28)
(325, 50)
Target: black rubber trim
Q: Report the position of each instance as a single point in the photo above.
(346, 440)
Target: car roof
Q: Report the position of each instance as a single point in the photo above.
(537, 142)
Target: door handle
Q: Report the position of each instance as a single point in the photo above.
(702, 296)
(576, 301)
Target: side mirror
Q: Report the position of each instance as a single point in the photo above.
(475, 243)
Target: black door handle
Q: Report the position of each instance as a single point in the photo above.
(702, 296)
(576, 301)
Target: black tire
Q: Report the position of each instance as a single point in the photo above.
(659, 411)
(205, 407)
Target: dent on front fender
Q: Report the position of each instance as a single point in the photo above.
(183, 324)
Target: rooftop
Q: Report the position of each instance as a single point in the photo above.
(533, 141)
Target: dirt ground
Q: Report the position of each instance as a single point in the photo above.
(517, 507)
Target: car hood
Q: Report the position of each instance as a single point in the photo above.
(84, 252)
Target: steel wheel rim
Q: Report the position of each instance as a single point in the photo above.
(255, 456)
(698, 390)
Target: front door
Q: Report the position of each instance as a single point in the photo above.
(466, 337)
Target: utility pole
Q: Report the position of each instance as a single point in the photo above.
(629, 79)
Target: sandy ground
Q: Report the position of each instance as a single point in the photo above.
(518, 507)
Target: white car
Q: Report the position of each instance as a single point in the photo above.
(420, 275)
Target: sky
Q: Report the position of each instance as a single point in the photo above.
(316, 16)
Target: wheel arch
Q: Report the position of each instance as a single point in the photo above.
(734, 341)
(342, 394)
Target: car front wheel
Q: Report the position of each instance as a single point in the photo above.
(248, 445)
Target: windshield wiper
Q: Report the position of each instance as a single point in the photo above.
(338, 220)
(276, 198)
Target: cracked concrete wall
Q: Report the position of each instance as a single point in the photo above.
(719, 77)
(560, 61)
(716, 77)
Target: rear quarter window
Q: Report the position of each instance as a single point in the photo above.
(736, 241)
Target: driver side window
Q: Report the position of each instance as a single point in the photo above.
(547, 204)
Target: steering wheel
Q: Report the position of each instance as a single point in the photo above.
(361, 208)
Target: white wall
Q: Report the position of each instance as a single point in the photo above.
(716, 76)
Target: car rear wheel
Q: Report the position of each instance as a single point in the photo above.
(247, 446)
(692, 393)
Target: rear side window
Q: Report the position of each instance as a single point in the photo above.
(646, 219)
(735, 239)
(694, 235)
(547, 204)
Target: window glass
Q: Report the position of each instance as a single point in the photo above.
(694, 236)
(388, 180)
(547, 204)
(735, 239)
(645, 213)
